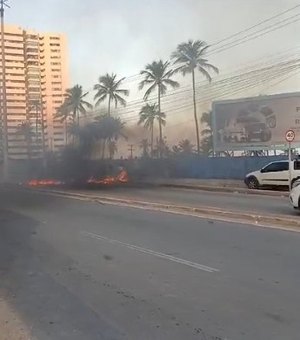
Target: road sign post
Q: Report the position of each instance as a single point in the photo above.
(289, 137)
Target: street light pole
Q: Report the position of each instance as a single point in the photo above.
(3, 3)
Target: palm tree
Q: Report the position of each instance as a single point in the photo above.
(148, 114)
(191, 56)
(25, 129)
(109, 128)
(108, 88)
(112, 148)
(74, 104)
(157, 77)
(185, 146)
(144, 145)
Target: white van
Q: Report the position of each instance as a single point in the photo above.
(273, 174)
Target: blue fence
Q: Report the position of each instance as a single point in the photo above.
(221, 167)
(199, 167)
(179, 167)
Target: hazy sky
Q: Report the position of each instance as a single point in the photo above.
(123, 35)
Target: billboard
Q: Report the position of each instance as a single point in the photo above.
(256, 123)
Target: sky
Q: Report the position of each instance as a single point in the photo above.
(122, 36)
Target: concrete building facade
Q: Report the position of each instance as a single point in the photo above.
(36, 80)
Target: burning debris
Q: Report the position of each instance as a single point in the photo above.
(121, 178)
(43, 183)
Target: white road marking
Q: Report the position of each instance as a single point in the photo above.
(153, 253)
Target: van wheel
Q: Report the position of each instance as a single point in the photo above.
(252, 183)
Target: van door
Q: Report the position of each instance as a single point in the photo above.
(276, 173)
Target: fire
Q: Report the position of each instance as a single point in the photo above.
(122, 177)
(43, 182)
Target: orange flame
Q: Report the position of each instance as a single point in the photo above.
(43, 182)
(122, 177)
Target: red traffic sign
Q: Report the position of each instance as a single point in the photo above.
(290, 135)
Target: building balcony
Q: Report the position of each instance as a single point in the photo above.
(13, 104)
(18, 111)
(18, 44)
(10, 91)
(14, 51)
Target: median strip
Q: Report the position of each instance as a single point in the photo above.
(273, 221)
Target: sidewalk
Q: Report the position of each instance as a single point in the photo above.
(216, 185)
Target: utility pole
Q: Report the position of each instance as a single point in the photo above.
(131, 149)
(3, 4)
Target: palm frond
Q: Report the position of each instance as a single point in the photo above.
(205, 73)
(119, 99)
(172, 83)
(149, 91)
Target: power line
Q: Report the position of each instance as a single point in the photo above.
(250, 37)
(256, 25)
(206, 87)
(238, 86)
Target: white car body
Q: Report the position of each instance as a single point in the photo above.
(273, 174)
(295, 195)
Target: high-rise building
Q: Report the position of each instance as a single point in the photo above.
(36, 80)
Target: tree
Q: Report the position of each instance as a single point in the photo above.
(74, 104)
(144, 145)
(25, 129)
(112, 148)
(148, 114)
(86, 136)
(185, 146)
(207, 133)
(191, 56)
(176, 149)
(109, 129)
(207, 137)
(108, 88)
(104, 129)
(157, 76)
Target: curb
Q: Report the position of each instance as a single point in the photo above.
(238, 190)
(274, 221)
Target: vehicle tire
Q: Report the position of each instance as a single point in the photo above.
(294, 180)
(252, 183)
(266, 136)
(271, 122)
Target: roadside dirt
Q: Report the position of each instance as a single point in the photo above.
(11, 326)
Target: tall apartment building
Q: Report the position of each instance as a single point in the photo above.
(36, 80)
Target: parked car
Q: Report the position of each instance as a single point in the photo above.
(295, 194)
(273, 174)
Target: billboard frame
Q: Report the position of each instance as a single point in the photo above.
(277, 146)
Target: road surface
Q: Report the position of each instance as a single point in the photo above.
(81, 270)
(232, 201)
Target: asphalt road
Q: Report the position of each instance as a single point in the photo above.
(278, 205)
(81, 270)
